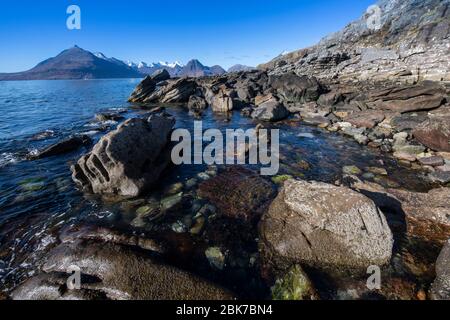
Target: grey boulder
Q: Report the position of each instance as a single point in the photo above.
(321, 225)
(127, 161)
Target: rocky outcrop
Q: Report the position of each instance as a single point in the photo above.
(113, 272)
(222, 101)
(293, 88)
(410, 44)
(239, 193)
(67, 145)
(170, 91)
(127, 161)
(441, 286)
(321, 225)
(272, 110)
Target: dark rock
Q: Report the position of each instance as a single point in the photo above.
(321, 225)
(432, 161)
(197, 103)
(109, 116)
(293, 88)
(127, 161)
(271, 110)
(238, 193)
(144, 89)
(440, 289)
(160, 75)
(65, 146)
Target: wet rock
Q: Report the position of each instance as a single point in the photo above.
(215, 257)
(321, 225)
(439, 176)
(434, 133)
(405, 156)
(174, 188)
(171, 202)
(432, 161)
(108, 116)
(378, 171)
(126, 161)
(32, 184)
(223, 101)
(279, 180)
(120, 274)
(293, 88)
(352, 170)
(197, 103)
(238, 193)
(294, 285)
(65, 146)
(427, 214)
(440, 289)
(271, 110)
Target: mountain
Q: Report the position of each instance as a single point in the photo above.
(410, 43)
(195, 69)
(239, 68)
(76, 63)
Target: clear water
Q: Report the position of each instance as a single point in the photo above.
(38, 198)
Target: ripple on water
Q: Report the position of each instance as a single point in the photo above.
(8, 158)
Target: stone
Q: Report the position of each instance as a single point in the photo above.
(160, 75)
(432, 161)
(65, 146)
(178, 92)
(171, 202)
(143, 90)
(127, 161)
(352, 170)
(215, 257)
(439, 176)
(378, 171)
(321, 225)
(427, 214)
(434, 133)
(440, 290)
(197, 103)
(223, 101)
(293, 88)
(294, 285)
(121, 273)
(405, 156)
(238, 193)
(366, 119)
(270, 111)
(106, 116)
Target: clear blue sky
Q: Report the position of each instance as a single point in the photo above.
(223, 32)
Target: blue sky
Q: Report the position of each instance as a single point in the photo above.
(215, 32)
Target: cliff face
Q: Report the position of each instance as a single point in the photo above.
(410, 43)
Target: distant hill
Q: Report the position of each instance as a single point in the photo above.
(76, 63)
(240, 67)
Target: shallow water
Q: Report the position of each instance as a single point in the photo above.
(38, 198)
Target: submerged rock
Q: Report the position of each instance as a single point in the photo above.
(271, 110)
(215, 257)
(441, 286)
(294, 285)
(127, 161)
(65, 146)
(322, 225)
(117, 273)
(238, 193)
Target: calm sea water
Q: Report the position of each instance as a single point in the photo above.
(38, 198)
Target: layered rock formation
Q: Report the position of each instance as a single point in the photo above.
(410, 44)
(127, 161)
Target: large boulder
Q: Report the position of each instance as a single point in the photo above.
(223, 101)
(366, 119)
(271, 110)
(321, 225)
(114, 272)
(127, 161)
(426, 96)
(293, 88)
(238, 193)
(440, 289)
(178, 91)
(435, 133)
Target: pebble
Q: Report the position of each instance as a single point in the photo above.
(351, 170)
(434, 161)
(215, 257)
